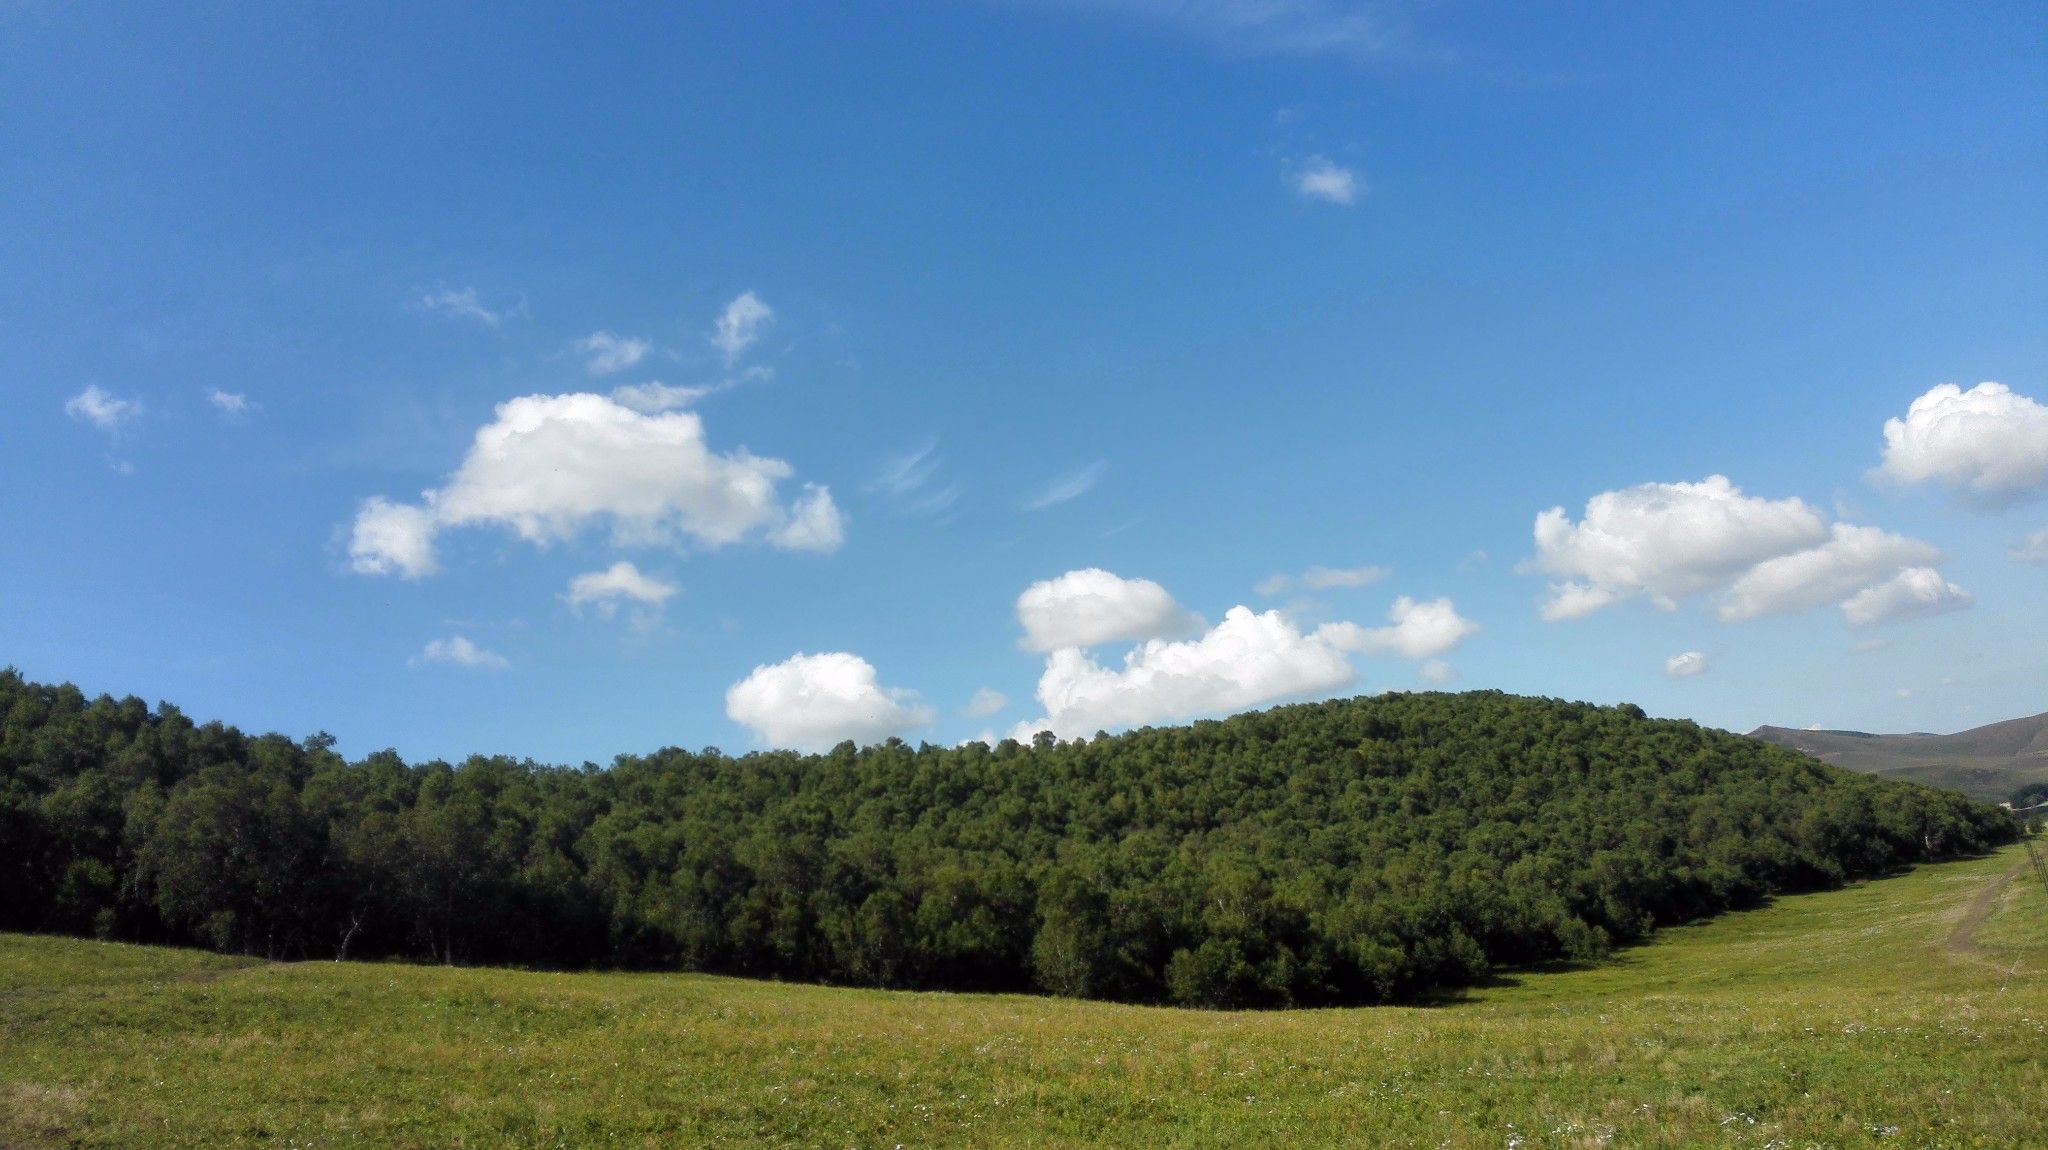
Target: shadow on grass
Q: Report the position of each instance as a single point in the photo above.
(1620, 958)
(1511, 977)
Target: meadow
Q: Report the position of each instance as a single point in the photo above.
(1906, 1011)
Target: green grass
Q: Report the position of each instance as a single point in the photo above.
(1849, 1018)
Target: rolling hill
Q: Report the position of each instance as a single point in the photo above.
(1987, 762)
(1902, 1012)
(1354, 850)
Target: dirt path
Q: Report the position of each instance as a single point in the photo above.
(1963, 939)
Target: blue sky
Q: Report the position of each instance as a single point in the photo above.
(1051, 334)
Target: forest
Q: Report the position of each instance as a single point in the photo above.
(1359, 850)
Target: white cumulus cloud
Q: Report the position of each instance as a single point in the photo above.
(1574, 600)
(740, 324)
(1672, 541)
(1319, 178)
(1665, 540)
(605, 352)
(228, 403)
(1090, 606)
(392, 539)
(814, 702)
(1853, 558)
(1246, 660)
(1249, 659)
(103, 410)
(813, 523)
(549, 467)
(1988, 444)
(463, 653)
(1685, 665)
(1915, 593)
(550, 464)
(1415, 630)
(620, 583)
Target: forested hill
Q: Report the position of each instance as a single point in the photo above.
(1346, 851)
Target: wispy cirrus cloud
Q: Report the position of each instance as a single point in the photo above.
(1355, 32)
(905, 473)
(1072, 485)
(2032, 549)
(654, 396)
(910, 480)
(104, 410)
(1319, 578)
(986, 701)
(110, 414)
(458, 650)
(464, 303)
(607, 352)
(740, 325)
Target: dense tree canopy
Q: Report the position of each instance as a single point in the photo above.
(1349, 851)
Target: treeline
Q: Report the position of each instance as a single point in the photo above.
(1350, 851)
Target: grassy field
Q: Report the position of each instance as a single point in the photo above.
(1907, 1012)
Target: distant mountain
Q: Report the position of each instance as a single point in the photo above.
(1988, 762)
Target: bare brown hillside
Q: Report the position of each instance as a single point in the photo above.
(1986, 762)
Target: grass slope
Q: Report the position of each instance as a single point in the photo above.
(1986, 763)
(1911, 1011)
